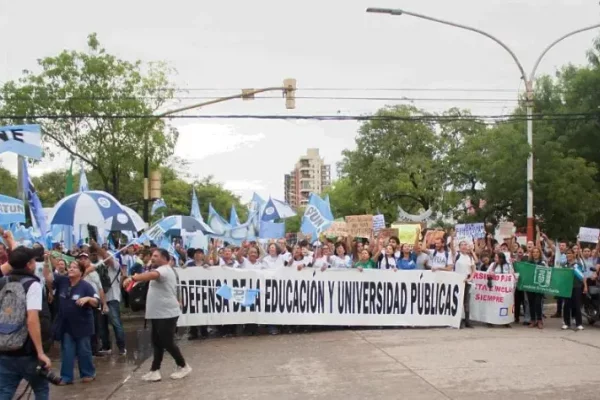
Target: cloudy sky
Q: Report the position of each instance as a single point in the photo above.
(325, 45)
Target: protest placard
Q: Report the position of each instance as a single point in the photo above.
(337, 229)
(334, 297)
(505, 230)
(387, 233)
(589, 235)
(360, 225)
(495, 304)
(473, 231)
(408, 233)
(432, 235)
(378, 223)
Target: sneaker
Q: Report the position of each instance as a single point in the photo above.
(152, 376)
(181, 372)
(88, 379)
(565, 327)
(123, 352)
(580, 327)
(102, 353)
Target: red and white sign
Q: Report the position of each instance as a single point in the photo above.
(493, 305)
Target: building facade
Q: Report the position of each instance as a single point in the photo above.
(310, 175)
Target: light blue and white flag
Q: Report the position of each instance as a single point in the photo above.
(158, 204)
(234, 220)
(272, 230)
(25, 140)
(83, 182)
(157, 231)
(317, 217)
(216, 222)
(195, 213)
(12, 211)
(246, 297)
(38, 216)
(168, 246)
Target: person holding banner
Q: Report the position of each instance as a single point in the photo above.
(535, 299)
(365, 261)
(273, 259)
(465, 266)
(340, 259)
(572, 306)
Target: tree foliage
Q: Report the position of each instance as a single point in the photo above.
(416, 163)
(76, 95)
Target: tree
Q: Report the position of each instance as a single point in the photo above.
(8, 183)
(95, 107)
(344, 199)
(293, 224)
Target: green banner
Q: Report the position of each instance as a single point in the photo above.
(65, 257)
(556, 282)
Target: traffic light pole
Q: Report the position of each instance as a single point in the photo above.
(289, 92)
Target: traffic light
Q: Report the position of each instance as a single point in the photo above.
(290, 93)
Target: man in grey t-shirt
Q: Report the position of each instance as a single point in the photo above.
(162, 309)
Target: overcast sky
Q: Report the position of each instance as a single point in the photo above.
(323, 44)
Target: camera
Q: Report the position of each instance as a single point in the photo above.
(47, 374)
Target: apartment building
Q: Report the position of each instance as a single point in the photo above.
(310, 175)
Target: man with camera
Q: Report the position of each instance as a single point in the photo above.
(24, 327)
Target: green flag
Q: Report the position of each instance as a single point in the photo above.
(67, 259)
(69, 186)
(546, 280)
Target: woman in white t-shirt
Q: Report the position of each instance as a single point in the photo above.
(386, 259)
(273, 259)
(298, 260)
(252, 261)
(322, 256)
(465, 266)
(340, 259)
(500, 265)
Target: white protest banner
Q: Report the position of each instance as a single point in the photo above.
(25, 140)
(334, 297)
(589, 235)
(378, 223)
(493, 305)
(473, 231)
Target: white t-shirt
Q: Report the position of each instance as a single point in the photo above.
(463, 264)
(34, 297)
(296, 263)
(321, 262)
(114, 293)
(162, 301)
(339, 262)
(387, 262)
(94, 279)
(500, 269)
(248, 265)
(234, 263)
(439, 259)
(273, 262)
(287, 256)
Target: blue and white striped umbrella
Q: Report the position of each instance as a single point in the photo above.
(93, 207)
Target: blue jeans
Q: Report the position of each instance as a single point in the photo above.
(81, 348)
(113, 318)
(15, 369)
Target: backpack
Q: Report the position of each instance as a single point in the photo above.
(137, 296)
(14, 334)
(105, 280)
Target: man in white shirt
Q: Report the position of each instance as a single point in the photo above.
(440, 258)
(465, 266)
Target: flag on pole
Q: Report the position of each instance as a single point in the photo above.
(35, 205)
(195, 213)
(158, 204)
(234, 220)
(69, 185)
(83, 182)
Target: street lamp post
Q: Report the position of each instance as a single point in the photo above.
(289, 93)
(528, 79)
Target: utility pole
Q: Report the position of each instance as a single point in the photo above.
(529, 82)
(289, 93)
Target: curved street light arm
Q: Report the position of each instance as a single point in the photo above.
(468, 28)
(557, 41)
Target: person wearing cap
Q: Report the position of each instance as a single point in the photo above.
(74, 326)
(22, 363)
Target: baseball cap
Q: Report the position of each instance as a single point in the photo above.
(81, 255)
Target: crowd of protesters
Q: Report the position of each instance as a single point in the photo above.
(85, 289)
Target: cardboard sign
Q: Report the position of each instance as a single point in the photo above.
(432, 236)
(387, 233)
(337, 229)
(360, 225)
